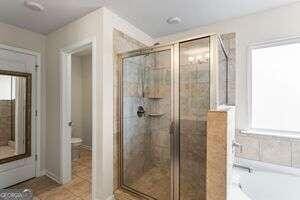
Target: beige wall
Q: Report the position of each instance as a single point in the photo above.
(17, 37)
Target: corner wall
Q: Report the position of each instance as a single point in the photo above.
(99, 25)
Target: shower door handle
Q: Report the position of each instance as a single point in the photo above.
(172, 128)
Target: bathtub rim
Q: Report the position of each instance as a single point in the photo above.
(268, 167)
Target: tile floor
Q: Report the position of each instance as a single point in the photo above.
(78, 189)
(155, 183)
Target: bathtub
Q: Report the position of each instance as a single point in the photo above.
(266, 185)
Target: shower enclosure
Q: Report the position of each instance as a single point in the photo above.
(166, 92)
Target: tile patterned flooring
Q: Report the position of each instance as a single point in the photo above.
(155, 182)
(79, 188)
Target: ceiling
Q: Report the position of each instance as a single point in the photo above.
(148, 15)
(57, 13)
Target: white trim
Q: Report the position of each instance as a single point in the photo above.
(274, 133)
(65, 81)
(53, 177)
(130, 30)
(37, 55)
(111, 198)
(214, 72)
(263, 166)
(250, 48)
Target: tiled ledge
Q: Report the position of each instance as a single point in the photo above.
(281, 134)
(270, 147)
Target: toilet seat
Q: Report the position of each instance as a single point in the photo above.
(76, 141)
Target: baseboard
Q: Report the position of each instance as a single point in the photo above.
(86, 147)
(41, 173)
(53, 177)
(111, 198)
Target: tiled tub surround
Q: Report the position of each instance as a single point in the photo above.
(7, 120)
(275, 150)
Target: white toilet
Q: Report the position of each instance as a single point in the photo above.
(75, 143)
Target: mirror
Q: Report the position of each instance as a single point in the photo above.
(15, 117)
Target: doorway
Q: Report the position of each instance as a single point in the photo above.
(81, 114)
(19, 115)
(77, 114)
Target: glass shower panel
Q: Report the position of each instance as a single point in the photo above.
(194, 102)
(146, 118)
(223, 74)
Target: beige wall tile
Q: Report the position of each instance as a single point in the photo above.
(250, 147)
(276, 151)
(296, 154)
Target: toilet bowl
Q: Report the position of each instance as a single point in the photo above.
(75, 143)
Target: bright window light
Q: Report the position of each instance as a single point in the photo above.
(276, 88)
(5, 87)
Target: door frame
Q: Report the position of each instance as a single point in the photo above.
(65, 108)
(38, 107)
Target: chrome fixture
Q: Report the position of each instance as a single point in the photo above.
(249, 169)
(237, 145)
(140, 111)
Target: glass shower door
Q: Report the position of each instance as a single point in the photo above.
(194, 103)
(146, 117)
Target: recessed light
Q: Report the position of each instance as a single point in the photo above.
(173, 20)
(35, 6)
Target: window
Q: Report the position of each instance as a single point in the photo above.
(275, 87)
(7, 84)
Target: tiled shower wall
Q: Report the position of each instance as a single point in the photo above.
(150, 136)
(136, 146)
(194, 105)
(122, 44)
(158, 95)
(7, 120)
(269, 149)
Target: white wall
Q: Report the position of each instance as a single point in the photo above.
(88, 27)
(269, 25)
(99, 25)
(76, 105)
(17, 37)
(86, 63)
(81, 108)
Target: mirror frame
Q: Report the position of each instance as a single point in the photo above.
(28, 78)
